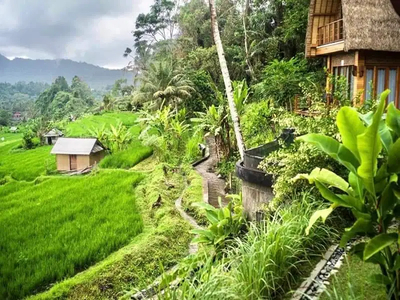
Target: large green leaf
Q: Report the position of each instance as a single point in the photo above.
(356, 184)
(351, 201)
(361, 225)
(327, 177)
(323, 214)
(331, 196)
(393, 119)
(350, 126)
(386, 136)
(334, 149)
(394, 158)
(379, 243)
(384, 130)
(369, 146)
(388, 200)
(396, 264)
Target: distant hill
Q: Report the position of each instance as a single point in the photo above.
(47, 71)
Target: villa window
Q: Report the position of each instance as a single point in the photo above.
(378, 79)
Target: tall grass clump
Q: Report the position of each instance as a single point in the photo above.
(127, 158)
(264, 264)
(53, 228)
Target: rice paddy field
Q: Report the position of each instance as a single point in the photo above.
(29, 164)
(82, 127)
(25, 164)
(55, 227)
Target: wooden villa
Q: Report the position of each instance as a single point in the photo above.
(75, 154)
(359, 39)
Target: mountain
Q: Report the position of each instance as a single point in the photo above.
(28, 70)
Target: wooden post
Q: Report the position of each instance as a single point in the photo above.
(359, 79)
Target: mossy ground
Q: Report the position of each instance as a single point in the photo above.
(194, 194)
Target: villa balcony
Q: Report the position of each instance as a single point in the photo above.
(330, 33)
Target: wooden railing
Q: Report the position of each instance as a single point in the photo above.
(304, 108)
(330, 33)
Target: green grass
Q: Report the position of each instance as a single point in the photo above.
(194, 194)
(128, 158)
(353, 282)
(25, 164)
(55, 227)
(164, 241)
(9, 138)
(82, 127)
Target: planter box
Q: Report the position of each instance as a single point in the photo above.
(257, 185)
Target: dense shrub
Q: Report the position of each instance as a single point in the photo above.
(169, 134)
(281, 81)
(257, 125)
(203, 95)
(287, 162)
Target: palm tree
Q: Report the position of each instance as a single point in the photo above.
(163, 85)
(227, 79)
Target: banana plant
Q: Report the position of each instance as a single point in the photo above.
(371, 153)
(226, 223)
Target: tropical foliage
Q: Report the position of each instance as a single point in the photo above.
(369, 151)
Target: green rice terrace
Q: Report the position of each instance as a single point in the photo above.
(54, 227)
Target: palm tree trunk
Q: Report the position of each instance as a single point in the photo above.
(246, 38)
(227, 79)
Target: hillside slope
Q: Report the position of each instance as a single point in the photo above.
(20, 69)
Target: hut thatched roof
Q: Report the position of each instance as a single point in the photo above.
(54, 133)
(371, 25)
(368, 24)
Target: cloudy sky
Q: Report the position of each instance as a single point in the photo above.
(94, 31)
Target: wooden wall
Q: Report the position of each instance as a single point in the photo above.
(382, 59)
(96, 157)
(62, 162)
(82, 161)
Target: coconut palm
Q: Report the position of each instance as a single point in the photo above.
(163, 85)
(227, 79)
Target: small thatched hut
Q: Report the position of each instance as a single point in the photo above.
(77, 153)
(360, 40)
(52, 136)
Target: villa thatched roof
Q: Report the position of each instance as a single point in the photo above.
(371, 25)
(367, 24)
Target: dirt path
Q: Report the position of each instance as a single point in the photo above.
(216, 186)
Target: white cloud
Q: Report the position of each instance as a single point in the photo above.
(94, 31)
